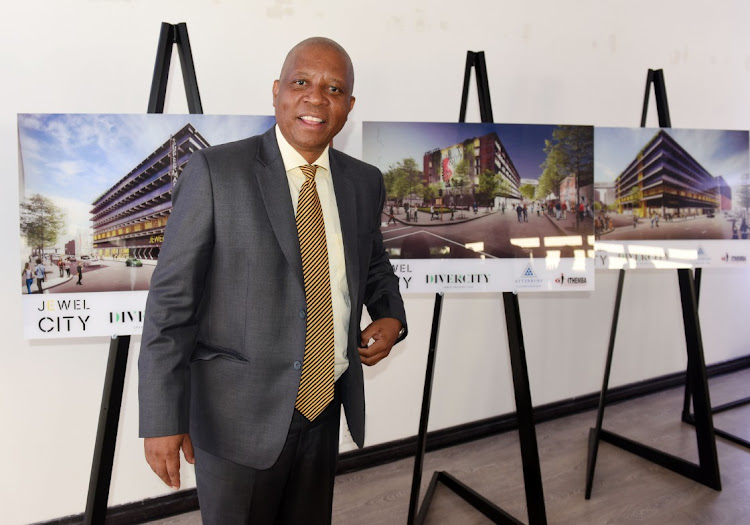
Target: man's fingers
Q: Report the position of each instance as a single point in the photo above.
(159, 467)
(374, 353)
(187, 450)
(173, 470)
(163, 455)
(368, 333)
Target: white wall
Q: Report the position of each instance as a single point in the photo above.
(578, 62)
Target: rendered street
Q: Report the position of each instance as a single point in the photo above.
(99, 276)
(485, 234)
(699, 227)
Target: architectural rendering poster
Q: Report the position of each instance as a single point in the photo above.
(486, 207)
(671, 198)
(95, 196)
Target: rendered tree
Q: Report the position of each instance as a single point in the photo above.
(504, 188)
(549, 182)
(41, 222)
(488, 184)
(429, 192)
(636, 197)
(402, 179)
(389, 180)
(459, 180)
(528, 191)
(570, 152)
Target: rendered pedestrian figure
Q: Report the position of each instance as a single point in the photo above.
(40, 274)
(519, 212)
(28, 277)
(391, 217)
(525, 213)
(79, 268)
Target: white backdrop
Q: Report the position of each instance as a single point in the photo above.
(578, 62)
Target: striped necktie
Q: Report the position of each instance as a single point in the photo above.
(316, 383)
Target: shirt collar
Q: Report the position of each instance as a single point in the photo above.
(292, 158)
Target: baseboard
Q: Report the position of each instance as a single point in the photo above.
(187, 500)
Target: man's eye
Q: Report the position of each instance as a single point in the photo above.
(299, 82)
(334, 89)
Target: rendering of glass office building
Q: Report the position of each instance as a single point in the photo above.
(665, 179)
(129, 218)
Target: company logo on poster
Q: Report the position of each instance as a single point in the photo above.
(529, 279)
(703, 257)
(570, 281)
(733, 258)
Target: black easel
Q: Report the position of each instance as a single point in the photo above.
(707, 469)
(117, 362)
(689, 418)
(527, 434)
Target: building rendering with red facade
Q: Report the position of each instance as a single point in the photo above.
(478, 154)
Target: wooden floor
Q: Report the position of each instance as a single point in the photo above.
(626, 490)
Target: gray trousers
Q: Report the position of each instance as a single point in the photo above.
(297, 489)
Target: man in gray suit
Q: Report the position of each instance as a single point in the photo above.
(224, 336)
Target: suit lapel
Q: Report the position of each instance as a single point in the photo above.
(275, 191)
(343, 186)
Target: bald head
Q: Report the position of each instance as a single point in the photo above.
(313, 95)
(320, 42)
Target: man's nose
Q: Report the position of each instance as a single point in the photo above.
(316, 95)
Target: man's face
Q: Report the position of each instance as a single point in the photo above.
(313, 98)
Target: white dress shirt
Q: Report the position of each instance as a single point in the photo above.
(335, 242)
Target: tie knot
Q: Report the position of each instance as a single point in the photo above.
(309, 170)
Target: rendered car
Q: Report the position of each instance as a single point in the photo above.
(132, 261)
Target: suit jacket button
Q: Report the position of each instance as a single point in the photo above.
(297, 365)
(302, 313)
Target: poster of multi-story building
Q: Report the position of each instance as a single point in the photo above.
(95, 197)
(671, 197)
(486, 207)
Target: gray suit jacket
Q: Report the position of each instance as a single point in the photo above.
(224, 331)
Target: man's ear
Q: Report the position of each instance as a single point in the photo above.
(275, 91)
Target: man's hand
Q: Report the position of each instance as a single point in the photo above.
(384, 333)
(163, 455)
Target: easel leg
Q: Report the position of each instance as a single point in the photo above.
(106, 435)
(595, 433)
(704, 428)
(532, 474)
(687, 417)
(707, 469)
(425, 415)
